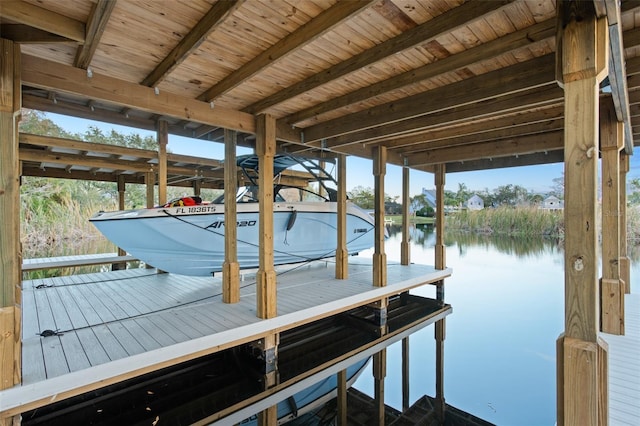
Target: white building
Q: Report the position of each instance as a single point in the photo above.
(475, 203)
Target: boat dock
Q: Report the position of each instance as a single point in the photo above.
(84, 332)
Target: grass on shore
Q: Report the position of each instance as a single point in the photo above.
(521, 221)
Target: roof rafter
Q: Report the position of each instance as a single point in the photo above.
(209, 23)
(497, 47)
(445, 23)
(306, 34)
(520, 77)
(98, 19)
(38, 17)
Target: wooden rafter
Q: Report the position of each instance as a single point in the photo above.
(447, 22)
(209, 23)
(497, 47)
(516, 78)
(34, 16)
(25, 34)
(98, 19)
(306, 34)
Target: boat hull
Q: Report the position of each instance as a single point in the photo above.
(190, 240)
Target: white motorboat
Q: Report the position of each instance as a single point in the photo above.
(187, 237)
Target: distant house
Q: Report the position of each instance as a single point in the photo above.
(552, 203)
(475, 203)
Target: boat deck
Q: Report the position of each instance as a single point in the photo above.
(624, 367)
(111, 326)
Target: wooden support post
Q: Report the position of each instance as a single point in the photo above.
(582, 46)
(625, 261)
(611, 286)
(439, 178)
(10, 254)
(440, 404)
(163, 140)
(405, 375)
(267, 348)
(230, 267)
(266, 275)
(342, 398)
(122, 191)
(150, 182)
(197, 187)
(342, 255)
(379, 373)
(379, 256)
(405, 253)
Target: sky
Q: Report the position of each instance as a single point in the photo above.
(538, 179)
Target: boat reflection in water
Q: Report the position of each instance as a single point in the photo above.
(186, 236)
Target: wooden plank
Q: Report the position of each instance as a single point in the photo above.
(379, 255)
(33, 370)
(450, 20)
(312, 30)
(209, 23)
(46, 20)
(230, 267)
(342, 255)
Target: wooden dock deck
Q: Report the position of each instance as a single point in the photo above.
(624, 367)
(115, 325)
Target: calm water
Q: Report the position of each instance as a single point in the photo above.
(508, 308)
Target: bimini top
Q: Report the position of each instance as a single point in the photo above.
(280, 162)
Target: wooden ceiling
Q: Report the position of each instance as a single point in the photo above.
(467, 83)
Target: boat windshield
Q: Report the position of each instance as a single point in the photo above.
(282, 194)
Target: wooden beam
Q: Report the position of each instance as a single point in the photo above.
(10, 248)
(430, 30)
(230, 267)
(24, 34)
(306, 34)
(379, 373)
(440, 176)
(342, 398)
(406, 374)
(266, 275)
(516, 78)
(551, 96)
(617, 70)
(98, 19)
(210, 22)
(58, 77)
(625, 261)
(22, 12)
(485, 51)
(504, 162)
(502, 148)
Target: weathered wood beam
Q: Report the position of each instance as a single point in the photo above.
(342, 254)
(500, 46)
(25, 13)
(405, 252)
(98, 19)
(503, 148)
(523, 76)
(484, 136)
(215, 17)
(311, 31)
(447, 22)
(24, 34)
(379, 255)
(617, 73)
(505, 162)
(51, 75)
